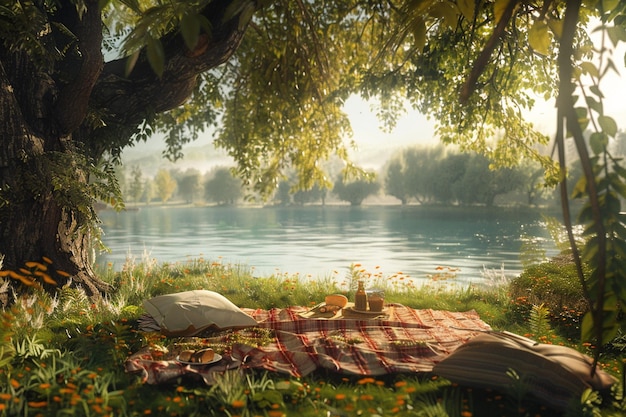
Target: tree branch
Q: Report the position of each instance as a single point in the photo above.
(71, 105)
(124, 102)
(485, 55)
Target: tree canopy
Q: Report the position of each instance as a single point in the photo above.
(80, 80)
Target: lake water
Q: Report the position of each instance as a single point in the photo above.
(322, 241)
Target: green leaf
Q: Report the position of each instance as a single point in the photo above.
(499, 6)
(246, 15)
(608, 5)
(615, 33)
(589, 68)
(156, 55)
(608, 125)
(446, 12)
(609, 324)
(419, 33)
(594, 104)
(586, 328)
(556, 26)
(598, 142)
(539, 38)
(131, 61)
(580, 188)
(190, 29)
(620, 170)
(596, 90)
(467, 9)
(583, 120)
(133, 5)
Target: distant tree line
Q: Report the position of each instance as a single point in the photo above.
(415, 175)
(434, 175)
(189, 186)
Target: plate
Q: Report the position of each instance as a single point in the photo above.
(216, 358)
(368, 312)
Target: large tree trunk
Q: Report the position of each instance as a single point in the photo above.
(47, 140)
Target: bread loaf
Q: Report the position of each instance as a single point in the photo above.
(185, 355)
(203, 356)
(336, 300)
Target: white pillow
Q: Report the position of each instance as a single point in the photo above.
(190, 312)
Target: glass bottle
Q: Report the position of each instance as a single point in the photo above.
(360, 298)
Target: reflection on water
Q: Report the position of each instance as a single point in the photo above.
(319, 240)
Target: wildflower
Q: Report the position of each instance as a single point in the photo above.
(45, 385)
(5, 396)
(364, 381)
(340, 397)
(466, 413)
(37, 404)
(14, 383)
(275, 413)
(238, 404)
(400, 384)
(367, 397)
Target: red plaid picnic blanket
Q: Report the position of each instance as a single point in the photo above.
(400, 340)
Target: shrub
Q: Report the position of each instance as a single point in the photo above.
(555, 286)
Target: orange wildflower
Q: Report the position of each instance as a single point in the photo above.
(364, 381)
(37, 404)
(238, 404)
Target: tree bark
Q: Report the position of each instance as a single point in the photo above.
(46, 131)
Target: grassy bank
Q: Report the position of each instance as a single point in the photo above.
(64, 355)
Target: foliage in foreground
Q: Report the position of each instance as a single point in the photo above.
(64, 355)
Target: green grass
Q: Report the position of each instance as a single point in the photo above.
(64, 355)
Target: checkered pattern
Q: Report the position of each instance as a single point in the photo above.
(401, 340)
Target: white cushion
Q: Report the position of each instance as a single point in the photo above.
(190, 312)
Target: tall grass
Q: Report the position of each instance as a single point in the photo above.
(63, 354)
